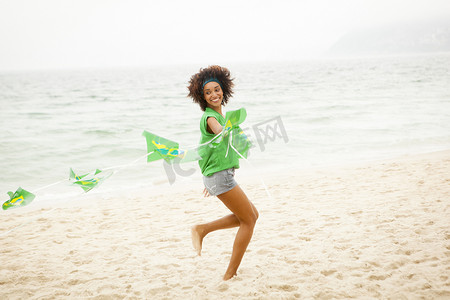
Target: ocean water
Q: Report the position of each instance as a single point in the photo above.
(311, 113)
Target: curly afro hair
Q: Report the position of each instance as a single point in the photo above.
(196, 84)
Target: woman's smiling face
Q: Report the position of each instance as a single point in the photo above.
(213, 94)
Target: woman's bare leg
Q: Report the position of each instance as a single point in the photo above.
(198, 232)
(246, 213)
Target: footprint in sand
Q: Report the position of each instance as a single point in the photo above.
(379, 277)
(223, 287)
(262, 251)
(283, 287)
(328, 272)
(72, 236)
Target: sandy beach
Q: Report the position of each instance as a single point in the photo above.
(374, 230)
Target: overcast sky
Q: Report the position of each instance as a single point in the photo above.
(49, 34)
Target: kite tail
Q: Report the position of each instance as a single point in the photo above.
(27, 222)
(119, 167)
(230, 141)
(262, 180)
(49, 185)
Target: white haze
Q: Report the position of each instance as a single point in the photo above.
(59, 34)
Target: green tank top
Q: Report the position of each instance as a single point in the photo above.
(213, 157)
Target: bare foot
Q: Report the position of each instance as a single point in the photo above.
(197, 239)
(228, 276)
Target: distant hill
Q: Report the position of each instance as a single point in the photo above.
(422, 37)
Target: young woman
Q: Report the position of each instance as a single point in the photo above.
(211, 88)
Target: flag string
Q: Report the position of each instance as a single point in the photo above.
(117, 168)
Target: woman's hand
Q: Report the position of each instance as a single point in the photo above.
(206, 193)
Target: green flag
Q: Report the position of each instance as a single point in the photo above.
(233, 135)
(239, 140)
(88, 181)
(162, 148)
(20, 198)
(236, 117)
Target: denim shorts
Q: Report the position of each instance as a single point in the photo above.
(220, 182)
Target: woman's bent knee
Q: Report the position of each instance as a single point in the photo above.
(255, 214)
(251, 220)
